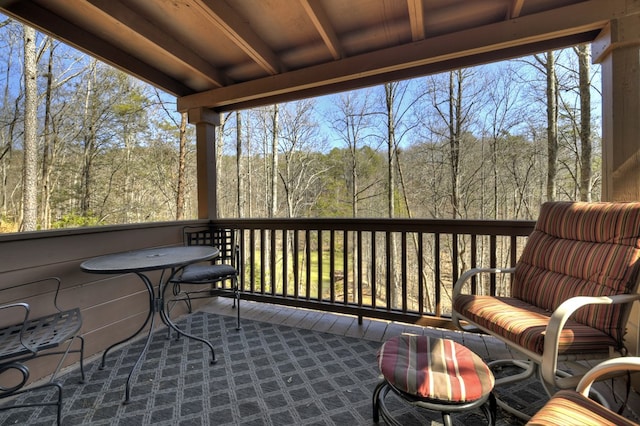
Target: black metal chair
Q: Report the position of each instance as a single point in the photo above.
(220, 276)
(32, 337)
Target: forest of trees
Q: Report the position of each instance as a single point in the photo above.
(83, 144)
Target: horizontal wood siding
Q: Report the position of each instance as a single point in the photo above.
(113, 307)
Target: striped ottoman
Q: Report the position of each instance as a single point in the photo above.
(436, 374)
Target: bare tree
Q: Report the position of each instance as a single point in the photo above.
(299, 171)
(454, 111)
(548, 62)
(239, 175)
(503, 114)
(352, 123)
(89, 137)
(273, 180)
(182, 155)
(584, 58)
(30, 165)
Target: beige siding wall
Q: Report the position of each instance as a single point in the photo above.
(113, 307)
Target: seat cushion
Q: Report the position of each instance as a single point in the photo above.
(435, 369)
(572, 408)
(524, 324)
(207, 273)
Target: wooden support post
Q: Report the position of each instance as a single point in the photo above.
(206, 121)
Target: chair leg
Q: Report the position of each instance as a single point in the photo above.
(446, 419)
(379, 408)
(376, 401)
(236, 298)
(82, 376)
(59, 413)
(529, 368)
(490, 410)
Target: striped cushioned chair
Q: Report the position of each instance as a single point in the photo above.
(568, 407)
(571, 292)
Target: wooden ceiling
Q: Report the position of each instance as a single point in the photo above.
(235, 54)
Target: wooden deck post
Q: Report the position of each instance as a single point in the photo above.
(206, 121)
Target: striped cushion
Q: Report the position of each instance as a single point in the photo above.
(432, 368)
(524, 324)
(571, 408)
(582, 249)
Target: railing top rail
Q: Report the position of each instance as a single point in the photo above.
(436, 226)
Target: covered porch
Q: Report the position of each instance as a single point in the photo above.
(142, 38)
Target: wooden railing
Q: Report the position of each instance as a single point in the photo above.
(395, 269)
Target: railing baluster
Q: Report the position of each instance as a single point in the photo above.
(420, 262)
(474, 262)
(263, 261)
(492, 264)
(332, 266)
(320, 261)
(285, 262)
(307, 264)
(359, 268)
(345, 258)
(252, 261)
(296, 264)
(454, 258)
(436, 255)
(273, 261)
(403, 266)
(373, 282)
(359, 250)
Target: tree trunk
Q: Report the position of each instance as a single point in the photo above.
(390, 90)
(552, 126)
(584, 56)
(30, 167)
(48, 150)
(182, 155)
(455, 118)
(218, 159)
(239, 177)
(89, 141)
(273, 178)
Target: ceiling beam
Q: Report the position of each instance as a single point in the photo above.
(515, 8)
(581, 18)
(416, 19)
(235, 29)
(60, 29)
(164, 41)
(322, 24)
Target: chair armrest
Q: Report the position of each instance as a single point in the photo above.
(25, 306)
(467, 275)
(27, 310)
(560, 317)
(606, 367)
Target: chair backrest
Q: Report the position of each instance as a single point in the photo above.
(582, 249)
(223, 239)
